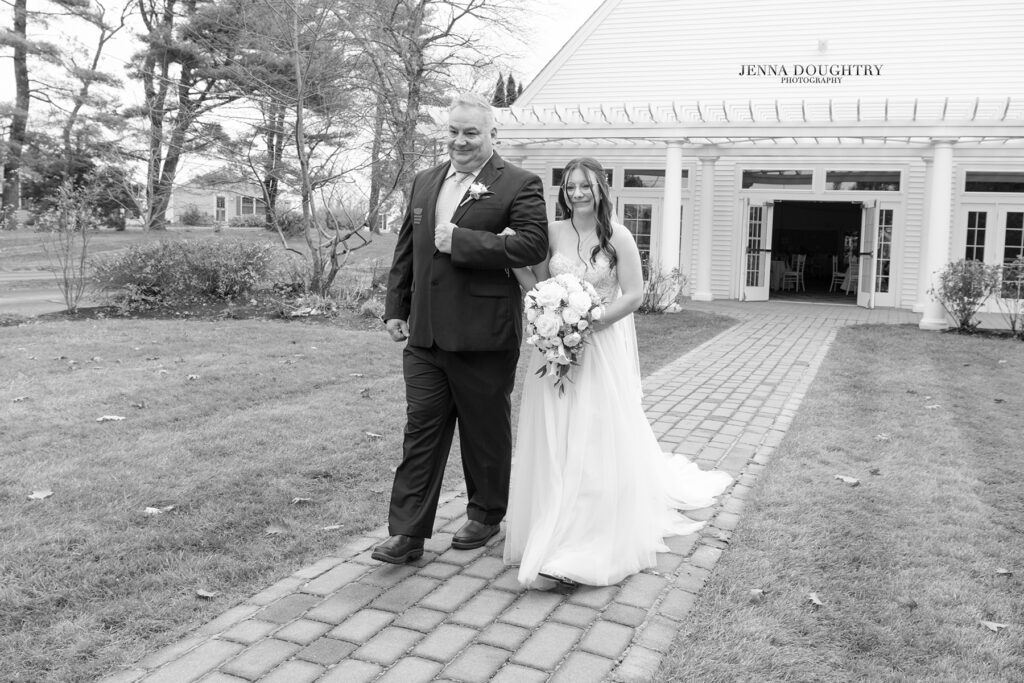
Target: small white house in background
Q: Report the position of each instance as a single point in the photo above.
(886, 133)
(219, 196)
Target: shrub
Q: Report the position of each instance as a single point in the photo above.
(963, 288)
(251, 220)
(1010, 298)
(174, 273)
(661, 290)
(193, 216)
(290, 223)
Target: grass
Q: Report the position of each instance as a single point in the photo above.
(245, 426)
(905, 564)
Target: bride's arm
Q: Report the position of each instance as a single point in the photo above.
(631, 278)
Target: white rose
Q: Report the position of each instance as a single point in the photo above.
(570, 282)
(572, 339)
(532, 313)
(597, 313)
(580, 302)
(533, 339)
(547, 324)
(582, 324)
(570, 316)
(550, 294)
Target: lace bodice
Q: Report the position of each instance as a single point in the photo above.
(600, 274)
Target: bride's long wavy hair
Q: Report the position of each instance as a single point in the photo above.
(595, 173)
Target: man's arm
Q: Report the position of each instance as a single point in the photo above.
(529, 246)
(398, 301)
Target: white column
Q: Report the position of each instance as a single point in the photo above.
(669, 247)
(923, 280)
(940, 198)
(702, 287)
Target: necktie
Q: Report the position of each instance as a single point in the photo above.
(449, 197)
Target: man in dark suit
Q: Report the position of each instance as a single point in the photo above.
(451, 294)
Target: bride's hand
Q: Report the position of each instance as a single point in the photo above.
(507, 232)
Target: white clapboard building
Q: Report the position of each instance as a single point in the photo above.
(886, 134)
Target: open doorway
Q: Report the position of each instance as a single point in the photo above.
(821, 231)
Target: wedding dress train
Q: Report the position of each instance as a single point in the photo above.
(592, 494)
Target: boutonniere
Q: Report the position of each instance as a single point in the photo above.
(477, 191)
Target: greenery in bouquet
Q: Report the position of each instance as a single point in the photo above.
(560, 313)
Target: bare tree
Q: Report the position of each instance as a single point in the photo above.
(187, 47)
(416, 49)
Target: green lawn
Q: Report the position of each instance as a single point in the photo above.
(273, 441)
(908, 563)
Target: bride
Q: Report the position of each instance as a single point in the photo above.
(592, 495)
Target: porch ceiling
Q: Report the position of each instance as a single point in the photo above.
(769, 123)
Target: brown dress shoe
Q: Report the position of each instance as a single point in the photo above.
(473, 535)
(399, 549)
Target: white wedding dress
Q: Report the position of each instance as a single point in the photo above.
(592, 494)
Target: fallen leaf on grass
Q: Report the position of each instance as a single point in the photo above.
(1001, 571)
(19, 399)
(355, 374)
(875, 471)
(332, 527)
(1001, 361)
(300, 501)
(909, 603)
(42, 494)
(205, 594)
(911, 391)
(993, 626)
(757, 594)
(140, 405)
(110, 418)
(192, 377)
(158, 510)
(275, 530)
(932, 407)
(374, 435)
(883, 437)
(999, 400)
(364, 393)
(815, 600)
(847, 480)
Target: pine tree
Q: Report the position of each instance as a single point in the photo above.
(510, 90)
(499, 99)
(520, 92)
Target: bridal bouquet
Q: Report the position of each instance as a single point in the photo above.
(559, 313)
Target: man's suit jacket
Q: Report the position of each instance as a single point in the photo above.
(468, 300)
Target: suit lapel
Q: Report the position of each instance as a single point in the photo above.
(487, 176)
(432, 189)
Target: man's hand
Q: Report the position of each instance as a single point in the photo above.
(398, 329)
(443, 237)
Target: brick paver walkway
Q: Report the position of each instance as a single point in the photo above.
(459, 615)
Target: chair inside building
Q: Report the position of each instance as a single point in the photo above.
(837, 275)
(794, 277)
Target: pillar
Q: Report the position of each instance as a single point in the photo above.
(940, 198)
(702, 286)
(670, 225)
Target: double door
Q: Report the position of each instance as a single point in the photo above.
(873, 265)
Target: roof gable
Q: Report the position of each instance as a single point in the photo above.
(632, 51)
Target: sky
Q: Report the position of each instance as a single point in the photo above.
(550, 24)
(557, 21)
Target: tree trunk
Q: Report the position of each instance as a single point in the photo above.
(19, 120)
(377, 167)
(275, 153)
